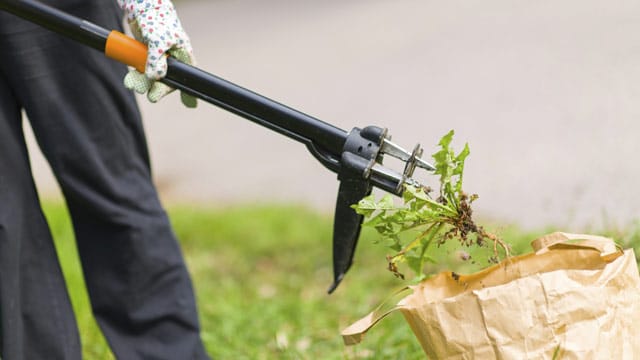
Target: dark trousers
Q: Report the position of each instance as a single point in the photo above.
(88, 127)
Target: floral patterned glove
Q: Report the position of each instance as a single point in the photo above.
(155, 23)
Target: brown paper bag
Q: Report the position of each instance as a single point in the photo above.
(575, 297)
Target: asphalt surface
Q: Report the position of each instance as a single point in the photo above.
(546, 93)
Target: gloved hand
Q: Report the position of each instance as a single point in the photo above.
(156, 24)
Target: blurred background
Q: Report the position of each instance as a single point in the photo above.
(546, 93)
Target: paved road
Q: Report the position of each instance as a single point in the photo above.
(547, 94)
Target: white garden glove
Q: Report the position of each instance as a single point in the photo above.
(156, 24)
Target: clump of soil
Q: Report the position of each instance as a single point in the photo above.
(467, 232)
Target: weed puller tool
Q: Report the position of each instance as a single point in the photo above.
(356, 156)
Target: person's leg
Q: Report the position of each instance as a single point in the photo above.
(37, 321)
(89, 129)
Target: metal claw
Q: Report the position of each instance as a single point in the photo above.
(380, 171)
(395, 150)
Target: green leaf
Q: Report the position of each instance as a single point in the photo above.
(374, 220)
(386, 202)
(445, 141)
(393, 243)
(412, 192)
(462, 156)
(444, 163)
(459, 168)
(366, 206)
(414, 262)
(429, 220)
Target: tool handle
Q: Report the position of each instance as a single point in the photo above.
(324, 140)
(126, 50)
(353, 156)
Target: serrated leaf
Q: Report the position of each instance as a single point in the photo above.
(415, 193)
(445, 141)
(459, 169)
(386, 202)
(373, 220)
(428, 219)
(366, 206)
(444, 163)
(462, 156)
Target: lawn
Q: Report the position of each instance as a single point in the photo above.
(261, 275)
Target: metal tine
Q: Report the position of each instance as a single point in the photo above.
(385, 172)
(395, 150)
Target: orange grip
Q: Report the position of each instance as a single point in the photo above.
(126, 50)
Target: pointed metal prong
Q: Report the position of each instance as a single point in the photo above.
(384, 172)
(425, 165)
(395, 150)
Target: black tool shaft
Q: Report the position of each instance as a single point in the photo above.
(58, 21)
(351, 155)
(324, 137)
(255, 107)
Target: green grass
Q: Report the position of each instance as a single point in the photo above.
(261, 275)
